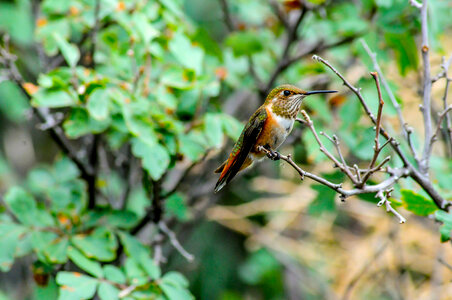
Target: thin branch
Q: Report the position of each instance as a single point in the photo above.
(174, 241)
(283, 62)
(396, 175)
(441, 117)
(377, 148)
(342, 167)
(403, 126)
(94, 33)
(384, 200)
(417, 176)
(363, 271)
(226, 15)
(56, 132)
(416, 4)
(426, 102)
(444, 263)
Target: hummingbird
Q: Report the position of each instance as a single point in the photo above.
(268, 128)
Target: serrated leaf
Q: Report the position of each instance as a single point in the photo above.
(154, 157)
(90, 266)
(75, 286)
(417, 203)
(132, 246)
(69, 51)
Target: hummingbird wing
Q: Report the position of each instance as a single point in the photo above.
(242, 147)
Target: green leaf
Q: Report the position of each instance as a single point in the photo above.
(24, 208)
(79, 123)
(90, 266)
(65, 170)
(154, 157)
(175, 206)
(107, 291)
(13, 103)
(10, 234)
(75, 286)
(135, 272)
(192, 145)
(417, 203)
(174, 286)
(98, 104)
(245, 43)
(231, 126)
(188, 55)
(101, 244)
(132, 246)
(70, 52)
(144, 28)
(54, 98)
(213, 129)
(446, 228)
(114, 274)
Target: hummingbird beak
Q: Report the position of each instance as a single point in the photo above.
(319, 92)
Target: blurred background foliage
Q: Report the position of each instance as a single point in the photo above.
(164, 87)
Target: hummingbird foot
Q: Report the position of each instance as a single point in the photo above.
(273, 155)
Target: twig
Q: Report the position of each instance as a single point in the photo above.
(403, 125)
(363, 271)
(226, 15)
(342, 167)
(445, 66)
(283, 62)
(426, 98)
(396, 174)
(384, 200)
(443, 262)
(174, 241)
(416, 4)
(441, 117)
(417, 176)
(56, 132)
(377, 148)
(127, 291)
(94, 33)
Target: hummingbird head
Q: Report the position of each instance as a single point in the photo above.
(286, 99)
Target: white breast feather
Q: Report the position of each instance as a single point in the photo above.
(286, 123)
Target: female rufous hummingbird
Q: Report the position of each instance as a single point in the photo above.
(268, 128)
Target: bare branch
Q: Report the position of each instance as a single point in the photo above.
(444, 263)
(417, 176)
(226, 15)
(403, 126)
(441, 117)
(377, 148)
(416, 4)
(342, 167)
(396, 175)
(173, 240)
(384, 200)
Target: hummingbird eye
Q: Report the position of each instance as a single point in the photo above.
(286, 93)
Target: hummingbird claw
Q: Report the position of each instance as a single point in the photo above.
(273, 155)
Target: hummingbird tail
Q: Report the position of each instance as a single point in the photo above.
(220, 168)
